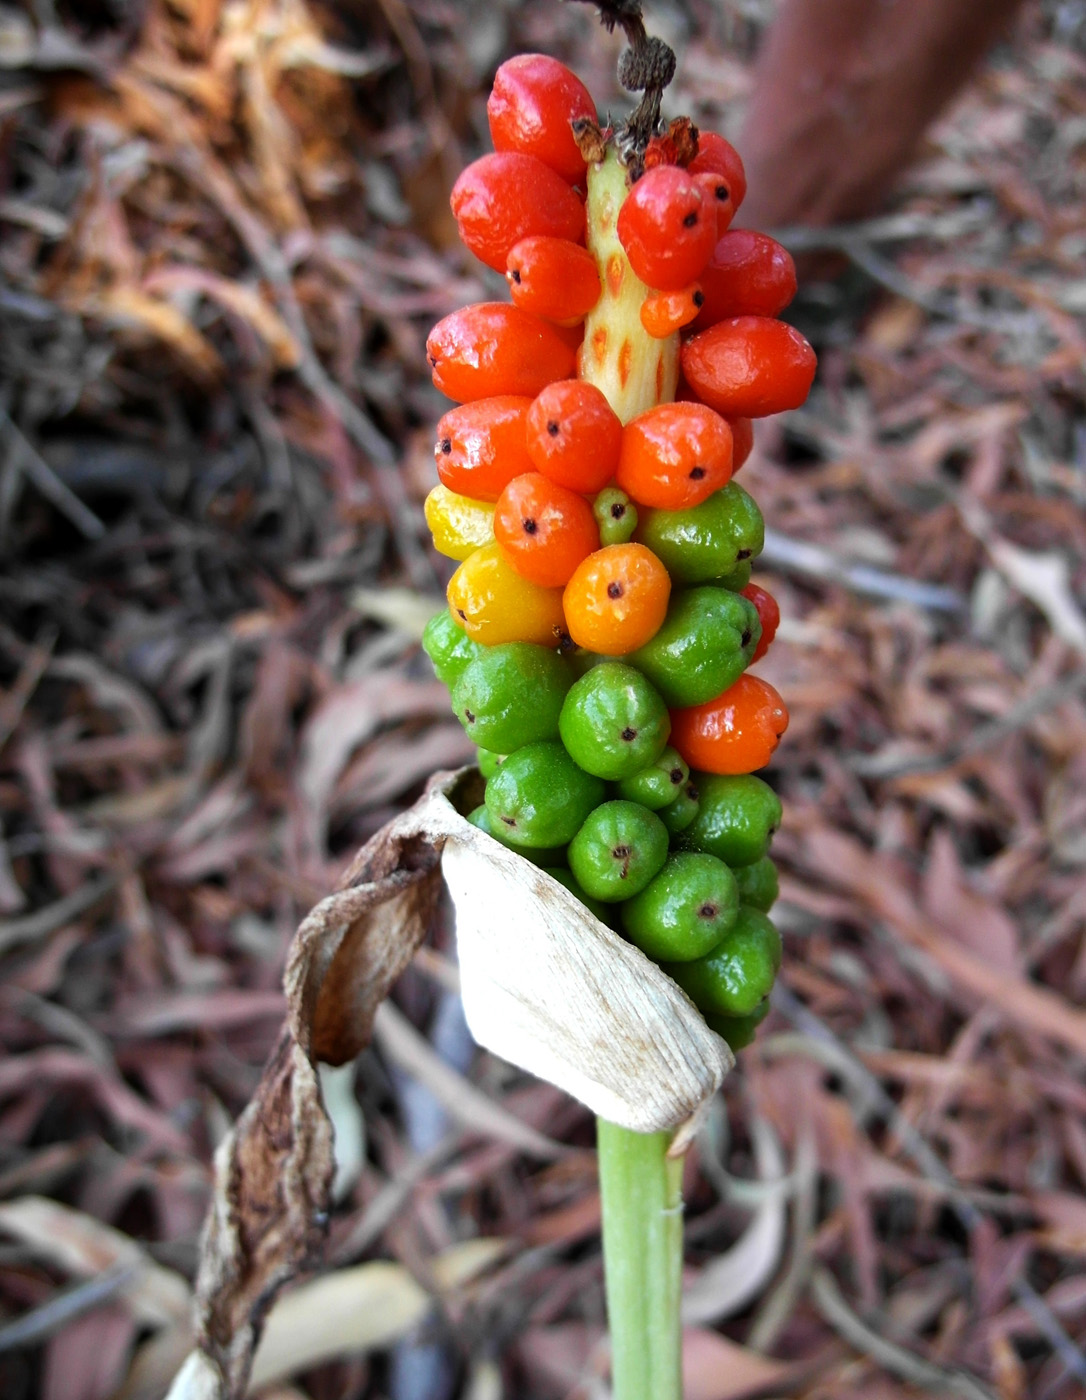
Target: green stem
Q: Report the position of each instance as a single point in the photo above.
(641, 1189)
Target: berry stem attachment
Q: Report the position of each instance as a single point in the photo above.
(631, 368)
(640, 1188)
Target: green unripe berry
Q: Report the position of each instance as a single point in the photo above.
(539, 796)
(738, 973)
(758, 884)
(738, 1031)
(684, 911)
(618, 850)
(616, 515)
(736, 817)
(704, 645)
(613, 721)
(658, 784)
(488, 762)
(678, 815)
(546, 855)
(709, 541)
(511, 695)
(450, 649)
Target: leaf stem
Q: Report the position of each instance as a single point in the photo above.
(641, 1190)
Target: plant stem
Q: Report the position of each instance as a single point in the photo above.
(641, 1190)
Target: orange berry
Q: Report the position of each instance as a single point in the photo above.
(491, 348)
(531, 105)
(574, 436)
(735, 733)
(482, 446)
(501, 198)
(663, 313)
(749, 366)
(494, 604)
(545, 529)
(617, 599)
(553, 278)
(675, 456)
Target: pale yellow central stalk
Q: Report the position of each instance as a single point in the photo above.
(631, 368)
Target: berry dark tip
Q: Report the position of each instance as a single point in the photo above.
(676, 776)
(614, 590)
(629, 735)
(620, 852)
(515, 275)
(446, 445)
(697, 473)
(707, 911)
(698, 299)
(469, 717)
(509, 821)
(433, 361)
(744, 640)
(723, 193)
(743, 554)
(462, 614)
(530, 527)
(618, 510)
(553, 428)
(691, 219)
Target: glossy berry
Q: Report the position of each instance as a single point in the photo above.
(458, 524)
(739, 972)
(617, 599)
(749, 367)
(491, 348)
(685, 911)
(758, 884)
(613, 721)
(480, 447)
(739, 1031)
(546, 530)
(501, 198)
(664, 313)
(539, 797)
(736, 818)
(495, 605)
(573, 435)
(616, 516)
(531, 105)
(668, 228)
(737, 732)
(704, 645)
(618, 850)
(708, 542)
(546, 856)
(658, 784)
(749, 274)
(742, 441)
(769, 614)
(511, 695)
(674, 456)
(450, 649)
(489, 762)
(677, 816)
(553, 277)
(719, 170)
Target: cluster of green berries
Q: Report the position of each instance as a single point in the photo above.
(602, 619)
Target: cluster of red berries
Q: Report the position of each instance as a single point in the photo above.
(602, 619)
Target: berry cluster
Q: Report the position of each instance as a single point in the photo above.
(602, 619)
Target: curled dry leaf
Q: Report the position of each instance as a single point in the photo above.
(545, 985)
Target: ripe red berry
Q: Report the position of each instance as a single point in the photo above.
(574, 436)
(545, 530)
(502, 198)
(674, 456)
(491, 348)
(719, 158)
(667, 228)
(742, 441)
(530, 108)
(769, 615)
(749, 274)
(749, 367)
(553, 277)
(482, 446)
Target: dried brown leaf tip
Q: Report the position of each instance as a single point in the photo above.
(545, 985)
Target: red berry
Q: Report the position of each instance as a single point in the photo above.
(719, 158)
(735, 733)
(502, 198)
(769, 615)
(531, 106)
(553, 277)
(481, 446)
(574, 436)
(667, 228)
(742, 441)
(674, 456)
(491, 348)
(749, 274)
(545, 530)
(749, 367)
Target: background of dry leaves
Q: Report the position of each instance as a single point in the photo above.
(224, 235)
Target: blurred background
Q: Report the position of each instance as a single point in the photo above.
(224, 234)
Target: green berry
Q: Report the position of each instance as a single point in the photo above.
(739, 972)
(512, 695)
(758, 884)
(616, 515)
(705, 644)
(618, 850)
(488, 762)
(739, 1031)
(736, 817)
(678, 815)
(706, 542)
(450, 649)
(594, 906)
(614, 722)
(546, 856)
(658, 784)
(539, 797)
(685, 910)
